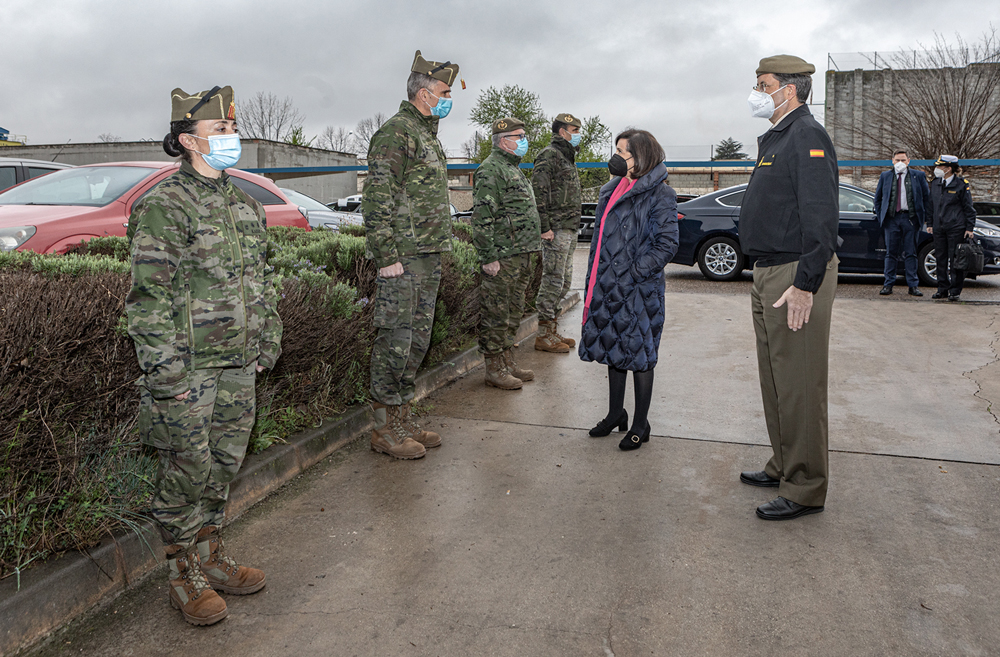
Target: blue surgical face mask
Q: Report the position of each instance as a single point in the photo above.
(442, 108)
(574, 139)
(522, 147)
(224, 151)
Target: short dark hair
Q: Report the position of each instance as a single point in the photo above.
(644, 148)
(557, 126)
(954, 166)
(803, 84)
(901, 153)
(172, 145)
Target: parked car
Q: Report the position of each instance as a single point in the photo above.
(319, 215)
(50, 214)
(988, 211)
(14, 170)
(586, 231)
(709, 237)
(348, 204)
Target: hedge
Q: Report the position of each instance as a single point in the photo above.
(71, 467)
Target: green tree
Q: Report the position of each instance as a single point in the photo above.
(297, 137)
(730, 149)
(511, 100)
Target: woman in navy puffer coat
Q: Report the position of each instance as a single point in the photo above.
(635, 237)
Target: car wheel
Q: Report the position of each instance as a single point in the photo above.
(927, 265)
(720, 259)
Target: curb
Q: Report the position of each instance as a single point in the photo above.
(63, 589)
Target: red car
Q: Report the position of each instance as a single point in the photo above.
(53, 212)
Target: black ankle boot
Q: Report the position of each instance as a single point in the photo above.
(632, 440)
(605, 426)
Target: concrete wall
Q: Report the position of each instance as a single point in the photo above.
(256, 154)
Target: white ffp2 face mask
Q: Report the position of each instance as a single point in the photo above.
(762, 104)
(900, 167)
(939, 173)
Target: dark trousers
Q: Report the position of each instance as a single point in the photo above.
(901, 238)
(945, 241)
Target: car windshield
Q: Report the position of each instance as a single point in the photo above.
(93, 186)
(854, 201)
(308, 202)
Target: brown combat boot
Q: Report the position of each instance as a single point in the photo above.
(390, 437)
(189, 590)
(498, 376)
(547, 340)
(515, 371)
(224, 574)
(569, 342)
(426, 438)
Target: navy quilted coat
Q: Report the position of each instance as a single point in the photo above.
(625, 320)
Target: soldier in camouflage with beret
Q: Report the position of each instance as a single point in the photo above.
(202, 312)
(505, 232)
(556, 183)
(407, 215)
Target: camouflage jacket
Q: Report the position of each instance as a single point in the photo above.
(504, 216)
(405, 201)
(202, 292)
(557, 186)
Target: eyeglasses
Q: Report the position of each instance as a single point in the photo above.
(762, 87)
(516, 137)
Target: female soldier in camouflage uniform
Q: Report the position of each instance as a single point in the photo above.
(202, 312)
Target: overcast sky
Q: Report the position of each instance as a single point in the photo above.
(75, 69)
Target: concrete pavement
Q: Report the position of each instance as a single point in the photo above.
(524, 536)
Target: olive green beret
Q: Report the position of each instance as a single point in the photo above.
(217, 103)
(446, 72)
(507, 124)
(568, 119)
(785, 65)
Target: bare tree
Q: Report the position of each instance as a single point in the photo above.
(336, 139)
(108, 138)
(940, 99)
(365, 130)
(471, 148)
(265, 116)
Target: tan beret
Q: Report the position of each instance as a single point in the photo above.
(212, 104)
(446, 72)
(785, 65)
(507, 124)
(569, 119)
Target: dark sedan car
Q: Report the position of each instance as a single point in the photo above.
(988, 211)
(585, 232)
(709, 237)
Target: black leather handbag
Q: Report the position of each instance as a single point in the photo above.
(969, 257)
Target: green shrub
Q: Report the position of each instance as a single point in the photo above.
(353, 230)
(112, 245)
(71, 264)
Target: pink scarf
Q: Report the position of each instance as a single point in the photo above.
(624, 185)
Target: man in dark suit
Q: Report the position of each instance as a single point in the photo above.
(902, 201)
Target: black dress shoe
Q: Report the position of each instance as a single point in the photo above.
(939, 295)
(782, 509)
(759, 478)
(954, 297)
(886, 289)
(914, 292)
(632, 440)
(605, 426)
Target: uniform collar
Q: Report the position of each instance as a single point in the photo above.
(219, 182)
(510, 158)
(564, 147)
(430, 121)
(790, 118)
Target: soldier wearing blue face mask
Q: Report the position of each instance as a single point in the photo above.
(505, 232)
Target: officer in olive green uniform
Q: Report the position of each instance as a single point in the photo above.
(505, 232)
(788, 222)
(202, 312)
(556, 183)
(407, 215)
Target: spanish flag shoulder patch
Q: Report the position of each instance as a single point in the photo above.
(817, 152)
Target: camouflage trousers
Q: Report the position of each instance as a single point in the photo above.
(557, 273)
(404, 317)
(201, 442)
(501, 303)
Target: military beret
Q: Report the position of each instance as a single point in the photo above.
(946, 159)
(216, 103)
(569, 119)
(785, 65)
(446, 72)
(507, 124)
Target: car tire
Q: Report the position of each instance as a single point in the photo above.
(927, 265)
(720, 259)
